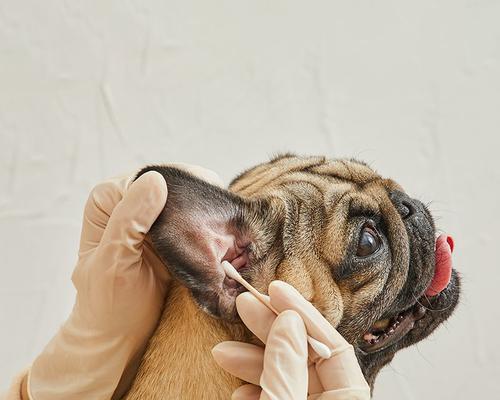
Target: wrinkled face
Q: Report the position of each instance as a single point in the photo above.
(359, 248)
(353, 243)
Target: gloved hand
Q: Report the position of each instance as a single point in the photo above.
(282, 370)
(121, 285)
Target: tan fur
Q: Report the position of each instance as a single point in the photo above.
(178, 363)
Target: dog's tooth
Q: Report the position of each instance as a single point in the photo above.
(369, 336)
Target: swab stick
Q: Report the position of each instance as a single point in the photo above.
(320, 348)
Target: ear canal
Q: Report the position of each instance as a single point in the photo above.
(199, 226)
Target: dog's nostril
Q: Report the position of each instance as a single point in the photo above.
(405, 206)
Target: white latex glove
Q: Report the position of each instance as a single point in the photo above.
(121, 285)
(282, 370)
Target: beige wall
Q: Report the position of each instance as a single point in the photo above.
(92, 89)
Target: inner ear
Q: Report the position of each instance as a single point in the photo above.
(200, 226)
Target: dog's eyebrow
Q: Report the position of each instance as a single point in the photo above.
(358, 209)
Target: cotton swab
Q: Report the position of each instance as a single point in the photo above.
(320, 348)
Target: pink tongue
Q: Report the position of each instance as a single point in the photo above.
(442, 273)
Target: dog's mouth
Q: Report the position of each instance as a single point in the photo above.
(390, 330)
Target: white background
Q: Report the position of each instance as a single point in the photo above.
(96, 88)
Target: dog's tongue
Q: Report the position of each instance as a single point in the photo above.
(442, 273)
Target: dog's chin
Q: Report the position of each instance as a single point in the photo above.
(377, 347)
(412, 324)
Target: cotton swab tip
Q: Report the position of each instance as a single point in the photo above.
(320, 348)
(230, 270)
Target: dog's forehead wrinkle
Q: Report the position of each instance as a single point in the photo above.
(274, 173)
(249, 183)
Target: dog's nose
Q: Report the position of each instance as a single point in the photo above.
(405, 205)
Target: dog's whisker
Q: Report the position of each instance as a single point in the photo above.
(417, 301)
(428, 307)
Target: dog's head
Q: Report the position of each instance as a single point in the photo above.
(352, 242)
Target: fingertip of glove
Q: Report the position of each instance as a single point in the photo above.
(154, 179)
(280, 285)
(246, 392)
(154, 183)
(280, 289)
(219, 354)
(213, 178)
(221, 350)
(246, 300)
(245, 296)
(217, 348)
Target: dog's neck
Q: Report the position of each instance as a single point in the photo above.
(178, 363)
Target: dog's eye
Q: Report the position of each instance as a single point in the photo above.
(369, 242)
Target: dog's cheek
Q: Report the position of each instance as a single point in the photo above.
(316, 287)
(293, 271)
(330, 302)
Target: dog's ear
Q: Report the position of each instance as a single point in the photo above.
(201, 225)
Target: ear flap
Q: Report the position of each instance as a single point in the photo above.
(200, 226)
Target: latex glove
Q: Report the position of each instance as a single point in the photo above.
(284, 369)
(121, 285)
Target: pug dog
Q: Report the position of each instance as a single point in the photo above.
(350, 241)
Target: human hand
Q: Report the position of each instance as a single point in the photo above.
(282, 370)
(121, 285)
